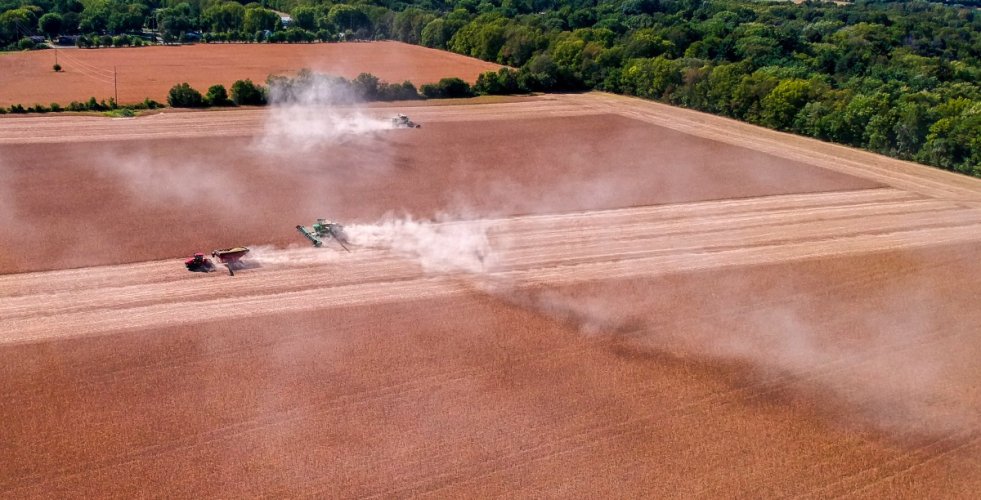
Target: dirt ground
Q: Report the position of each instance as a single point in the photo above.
(27, 78)
(626, 298)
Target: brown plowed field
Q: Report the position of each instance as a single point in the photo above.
(26, 77)
(626, 299)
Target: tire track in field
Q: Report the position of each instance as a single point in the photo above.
(393, 392)
(546, 250)
(162, 271)
(248, 122)
(590, 436)
(629, 239)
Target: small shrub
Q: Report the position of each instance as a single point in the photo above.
(246, 93)
(217, 96)
(183, 96)
(17, 109)
(447, 88)
(56, 108)
(397, 92)
(429, 90)
(454, 87)
(504, 81)
(147, 104)
(121, 113)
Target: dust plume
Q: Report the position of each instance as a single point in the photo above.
(881, 365)
(441, 246)
(164, 180)
(294, 255)
(311, 110)
(446, 246)
(892, 363)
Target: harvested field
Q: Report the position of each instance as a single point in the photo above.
(193, 191)
(26, 77)
(628, 299)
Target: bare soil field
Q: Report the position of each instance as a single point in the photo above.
(27, 78)
(625, 299)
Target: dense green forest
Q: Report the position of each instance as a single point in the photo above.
(899, 78)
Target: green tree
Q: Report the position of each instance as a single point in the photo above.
(748, 94)
(647, 43)
(407, 25)
(95, 17)
(126, 17)
(954, 141)
(50, 24)
(258, 19)
(176, 20)
(305, 17)
(225, 17)
(346, 17)
(912, 124)
(520, 43)
(651, 78)
(781, 105)
(436, 34)
(16, 23)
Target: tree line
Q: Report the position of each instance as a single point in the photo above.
(306, 87)
(898, 78)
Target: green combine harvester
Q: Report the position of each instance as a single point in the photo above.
(322, 230)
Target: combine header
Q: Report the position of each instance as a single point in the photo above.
(324, 229)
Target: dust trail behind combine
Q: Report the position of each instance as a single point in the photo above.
(438, 247)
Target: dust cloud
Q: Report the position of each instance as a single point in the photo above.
(883, 364)
(438, 246)
(163, 181)
(294, 255)
(313, 111)
(887, 365)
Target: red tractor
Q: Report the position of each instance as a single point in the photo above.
(199, 264)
